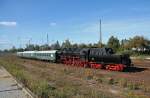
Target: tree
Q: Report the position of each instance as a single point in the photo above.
(125, 44)
(66, 44)
(29, 47)
(113, 43)
(95, 45)
(20, 49)
(55, 45)
(13, 49)
(36, 47)
(89, 45)
(6, 50)
(45, 47)
(75, 45)
(139, 41)
(83, 45)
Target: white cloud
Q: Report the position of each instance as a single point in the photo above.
(53, 24)
(8, 23)
(120, 28)
(127, 26)
(5, 43)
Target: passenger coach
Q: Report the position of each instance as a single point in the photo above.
(40, 55)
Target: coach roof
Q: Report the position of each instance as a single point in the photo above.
(50, 51)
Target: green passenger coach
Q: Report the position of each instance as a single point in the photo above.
(40, 55)
(46, 55)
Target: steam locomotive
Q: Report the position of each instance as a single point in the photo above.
(98, 58)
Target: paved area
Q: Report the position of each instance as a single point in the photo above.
(9, 87)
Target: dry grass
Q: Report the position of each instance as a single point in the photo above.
(133, 95)
(50, 80)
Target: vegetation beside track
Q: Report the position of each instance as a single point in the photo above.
(48, 80)
(43, 88)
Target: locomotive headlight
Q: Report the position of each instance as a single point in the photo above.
(92, 58)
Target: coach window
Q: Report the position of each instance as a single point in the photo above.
(52, 55)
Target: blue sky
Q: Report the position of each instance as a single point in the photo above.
(77, 20)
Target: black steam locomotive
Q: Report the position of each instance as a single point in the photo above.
(94, 58)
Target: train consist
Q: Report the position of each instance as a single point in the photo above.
(99, 58)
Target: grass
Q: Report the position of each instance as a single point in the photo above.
(146, 88)
(56, 81)
(106, 80)
(40, 88)
(133, 95)
(131, 85)
(123, 82)
(47, 81)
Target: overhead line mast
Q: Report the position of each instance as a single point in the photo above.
(100, 31)
(47, 39)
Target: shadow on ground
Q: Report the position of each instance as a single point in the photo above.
(135, 69)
